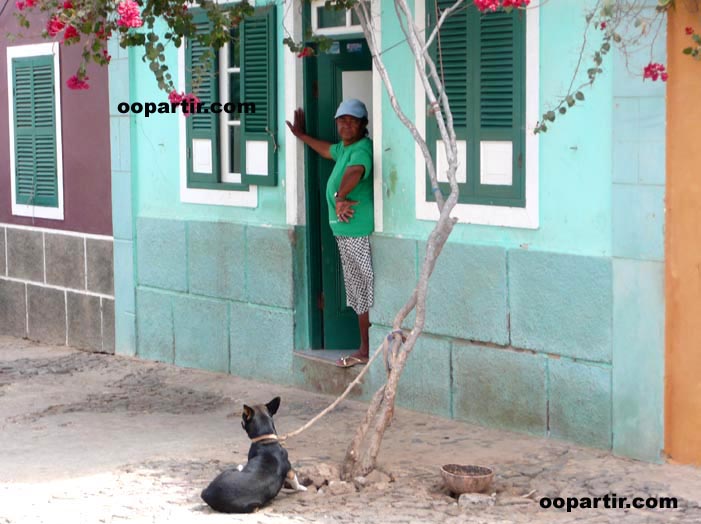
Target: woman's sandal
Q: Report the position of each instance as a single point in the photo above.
(350, 361)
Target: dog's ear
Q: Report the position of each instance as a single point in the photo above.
(247, 413)
(273, 406)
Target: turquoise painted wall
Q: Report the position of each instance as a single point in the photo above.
(575, 156)
(567, 330)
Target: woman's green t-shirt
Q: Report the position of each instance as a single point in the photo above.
(363, 221)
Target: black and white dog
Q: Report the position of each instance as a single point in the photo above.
(247, 488)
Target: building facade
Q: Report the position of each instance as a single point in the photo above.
(546, 311)
(56, 272)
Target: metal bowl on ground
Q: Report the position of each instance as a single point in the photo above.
(466, 478)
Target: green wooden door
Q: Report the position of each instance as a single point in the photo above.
(346, 68)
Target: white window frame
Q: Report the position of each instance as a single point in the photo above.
(519, 217)
(224, 122)
(29, 51)
(217, 197)
(339, 30)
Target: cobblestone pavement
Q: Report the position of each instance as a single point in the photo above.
(88, 438)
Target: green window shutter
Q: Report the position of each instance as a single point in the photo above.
(451, 59)
(500, 99)
(483, 64)
(202, 129)
(34, 108)
(258, 80)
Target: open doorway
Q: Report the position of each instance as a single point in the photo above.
(345, 71)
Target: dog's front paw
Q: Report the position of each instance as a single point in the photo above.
(294, 482)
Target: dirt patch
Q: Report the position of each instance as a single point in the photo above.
(144, 391)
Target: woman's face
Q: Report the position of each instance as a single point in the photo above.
(350, 128)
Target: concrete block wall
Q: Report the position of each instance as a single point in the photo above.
(57, 287)
(515, 339)
(216, 296)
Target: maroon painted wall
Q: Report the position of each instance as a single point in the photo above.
(87, 194)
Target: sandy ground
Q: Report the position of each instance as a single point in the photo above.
(88, 438)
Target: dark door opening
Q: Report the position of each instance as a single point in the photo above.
(344, 72)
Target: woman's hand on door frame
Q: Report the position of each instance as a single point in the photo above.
(299, 128)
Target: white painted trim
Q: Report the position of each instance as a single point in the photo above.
(212, 197)
(56, 231)
(26, 51)
(295, 197)
(59, 288)
(377, 87)
(528, 217)
(501, 153)
(339, 30)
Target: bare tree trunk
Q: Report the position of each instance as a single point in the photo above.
(361, 456)
(353, 454)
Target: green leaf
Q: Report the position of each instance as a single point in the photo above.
(562, 110)
(570, 101)
(687, 50)
(550, 115)
(579, 95)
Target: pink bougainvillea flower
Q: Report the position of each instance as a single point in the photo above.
(20, 5)
(68, 5)
(654, 71)
(175, 97)
(190, 100)
(54, 26)
(307, 51)
(516, 3)
(70, 33)
(129, 15)
(76, 83)
(487, 5)
(602, 25)
(493, 5)
(689, 30)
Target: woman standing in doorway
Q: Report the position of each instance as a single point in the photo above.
(349, 194)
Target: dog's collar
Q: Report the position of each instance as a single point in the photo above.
(269, 436)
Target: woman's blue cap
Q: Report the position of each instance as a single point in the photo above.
(352, 107)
